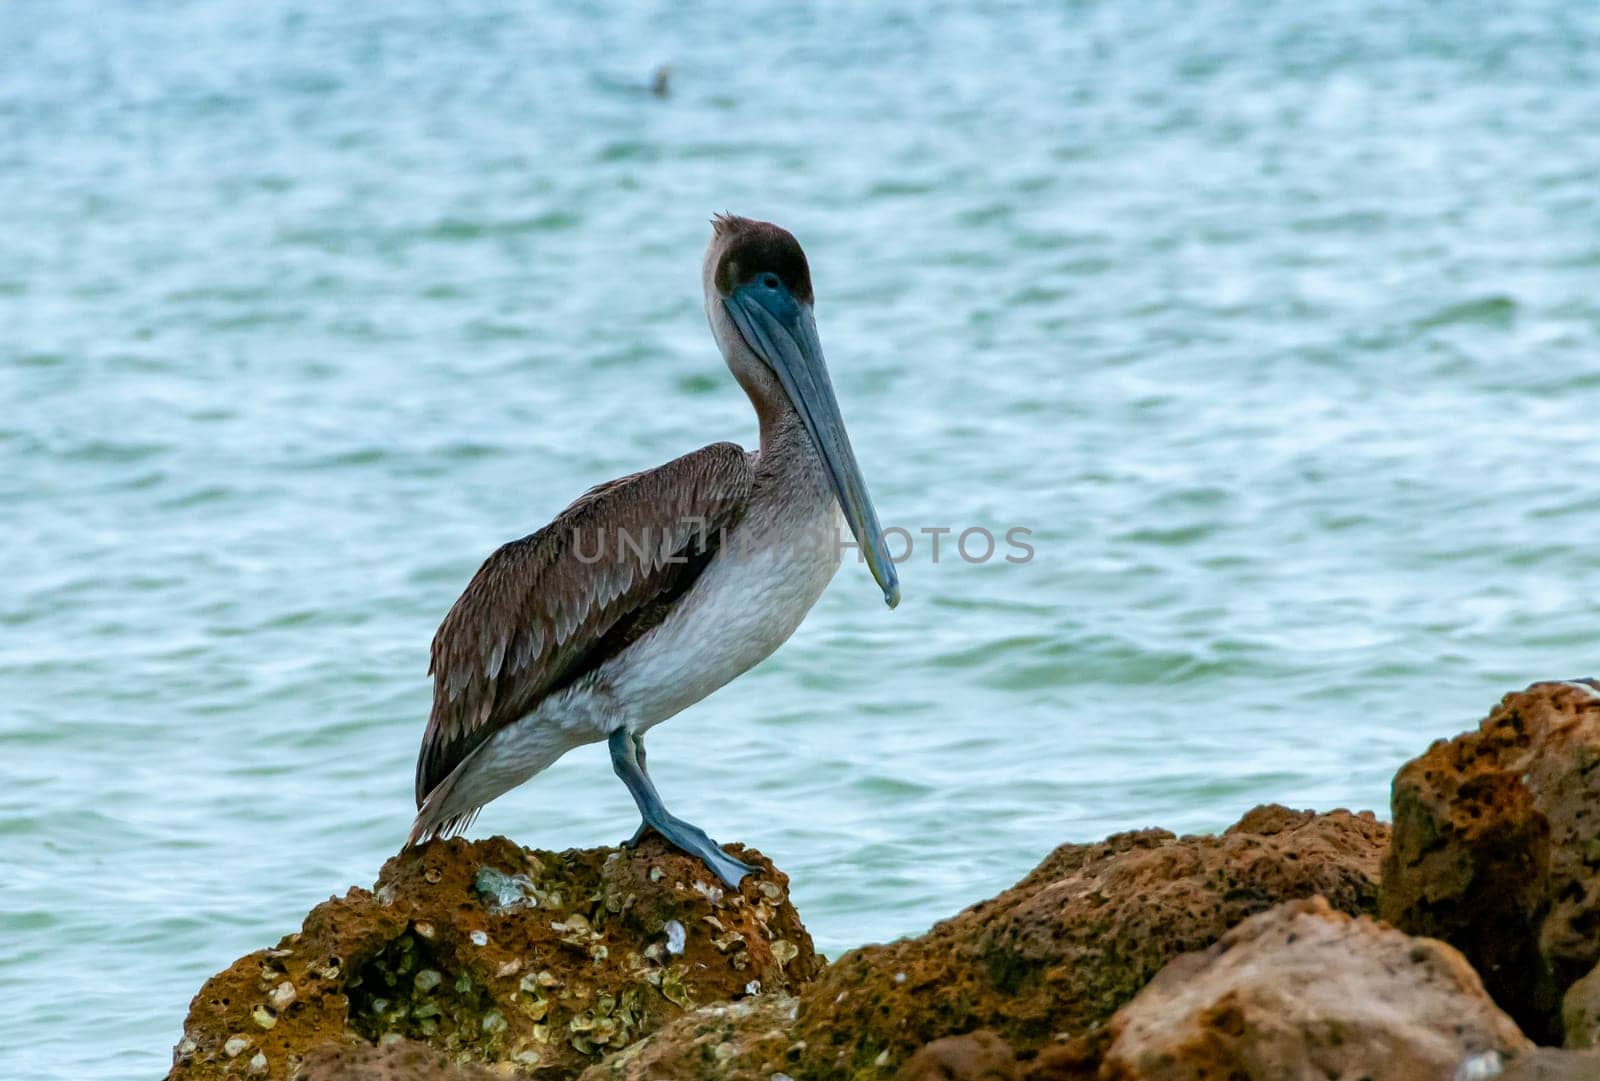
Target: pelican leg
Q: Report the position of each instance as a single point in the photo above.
(627, 761)
(644, 827)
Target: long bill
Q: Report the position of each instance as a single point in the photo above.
(783, 333)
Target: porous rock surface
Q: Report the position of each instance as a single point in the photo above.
(1541, 1064)
(1305, 992)
(534, 961)
(730, 1041)
(974, 1056)
(1497, 849)
(1580, 1012)
(1053, 956)
(1060, 951)
(398, 1060)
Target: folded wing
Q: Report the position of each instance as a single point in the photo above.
(545, 610)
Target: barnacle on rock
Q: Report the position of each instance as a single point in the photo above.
(502, 892)
(405, 989)
(673, 988)
(490, 953)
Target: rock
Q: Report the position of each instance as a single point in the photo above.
(499, 954)
(1305, 992)
(1053, 956)
(976, 1056)
(402, 1060)
(1077, 1059)
(1548, 1064)
(735, 1041)
(1497, 849)
(1580, 1011)
(1074, 940)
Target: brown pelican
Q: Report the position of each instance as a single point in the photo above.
(653, 590)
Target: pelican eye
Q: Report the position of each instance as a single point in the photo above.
(770, 280)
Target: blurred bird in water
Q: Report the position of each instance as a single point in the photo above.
(655, 589)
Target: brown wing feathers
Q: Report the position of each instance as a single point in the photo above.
(544, 610)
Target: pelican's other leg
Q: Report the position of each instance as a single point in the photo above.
(627, 759)
(644, 827)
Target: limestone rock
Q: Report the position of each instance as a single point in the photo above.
(1497, 848)
(1054, 955)
(1077, 1059)
(495, 953)
(1580, 1012)
(976, 1056)
(1546, 1064)
(401, 1060)
(738, 1041)
(1304, 993)
(1074, 940)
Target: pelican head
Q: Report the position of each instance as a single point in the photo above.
(759, 301)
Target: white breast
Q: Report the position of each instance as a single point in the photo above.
(745, 604)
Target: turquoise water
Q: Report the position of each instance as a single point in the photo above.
(1278, 329)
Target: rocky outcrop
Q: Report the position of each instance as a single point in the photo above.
(1497, 849)
(1580, 1012)
(1303, 991)
(490, 952)
(1541, 1064)
(396, 1060)
(1061, 950)
(976, 1056)
(735, 1041)
(1252, 953)
(1056, 954)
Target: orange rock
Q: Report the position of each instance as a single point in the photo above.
(1497, 848)
(1052, 957)
(404, 1060)
(1077, 1059)
(1548, 1064)
(496, 953)
(976, 1056)
(1580, 1012)
(1058, 953)
(1303, 992)
(749, 1040)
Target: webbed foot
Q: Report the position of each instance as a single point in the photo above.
(627, 753)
